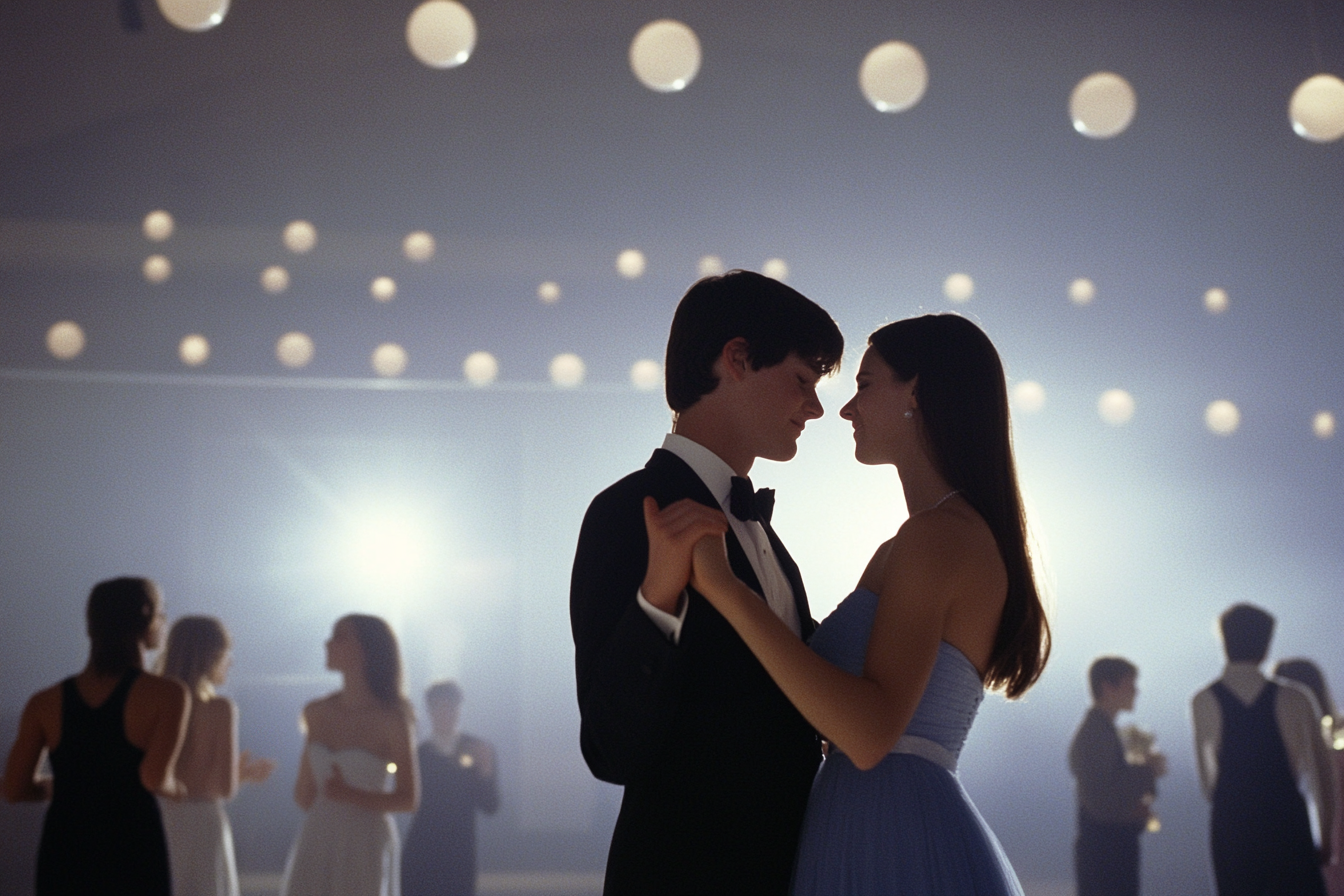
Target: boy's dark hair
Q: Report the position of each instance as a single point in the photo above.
(1111, 670)
(775, 320)
(1247, 630)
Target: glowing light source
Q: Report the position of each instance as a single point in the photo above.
(776, 269)
(665, 55)
(549, 292)
(387, 550)
(1316, 109)
(275, 279)
(294, 350)
(959, 288)
(1215, 300)
(193, 350)
(1323, 424)
(194, 15)
(389, 359)
(630, 264)
(1222, 417)
(1028, 396)
(65, 340)
(567, 370)
(646, 375)
(1116, 407)
(157, 226)
(480, 368)
(418, 246)
(300, 237)
(1082, 291)
(893, 76)
(441, 33)
(709, 266)
(1102, 105)
(383, 289)
(157, 268)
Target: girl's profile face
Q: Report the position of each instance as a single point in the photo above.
(343, 651)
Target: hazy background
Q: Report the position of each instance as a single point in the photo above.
(260, 494)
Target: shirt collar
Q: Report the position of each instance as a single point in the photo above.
(713, 471)
(1243, 673)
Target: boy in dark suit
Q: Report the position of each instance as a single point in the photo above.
(715, 762)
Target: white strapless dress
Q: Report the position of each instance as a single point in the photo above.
(200, 847)
(343, 850)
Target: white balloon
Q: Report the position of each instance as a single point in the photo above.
(480, 368)
(194, 350)
(646, 375)
(1323, 424)
(959, 287)
(441, 33)
(1102, 105)
(65, 340)
(300, 237)
(776, 269)
(1082, 291)
(567, 370)
(630, 264)
(158, 226)
(665, 55)
(383, 289)
(275, 279)
(1116, 406)
(1316, 109)
(710, 265)
(549, 292)
(893, 76)
(1029, 396)
(157, 269)
(1222, 417)
(1215, 300)
(418, 246)
(194, 15)
(294, 350)
(389, 359)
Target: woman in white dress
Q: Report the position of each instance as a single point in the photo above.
(358, 766)
(210, 768)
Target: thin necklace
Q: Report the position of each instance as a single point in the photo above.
(939, 502)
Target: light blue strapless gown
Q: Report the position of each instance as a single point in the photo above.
(905, 826)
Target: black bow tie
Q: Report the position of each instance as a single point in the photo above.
(748, 504)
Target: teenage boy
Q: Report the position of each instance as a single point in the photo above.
(715, 762)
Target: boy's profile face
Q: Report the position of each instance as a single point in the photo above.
(1121, 694)
(777, 402)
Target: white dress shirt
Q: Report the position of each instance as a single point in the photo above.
(718, 478)
(1299, 723)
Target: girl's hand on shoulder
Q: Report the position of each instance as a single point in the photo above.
(711, 574)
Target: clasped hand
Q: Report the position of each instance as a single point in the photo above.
(686, 546)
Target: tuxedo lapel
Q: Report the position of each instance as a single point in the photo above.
(795, 577)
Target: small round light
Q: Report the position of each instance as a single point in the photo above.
(1316, 109)
(1222, 417)
(1215, 300)
(1323, 424)
(389, 359)
(194, 15)
(480, 368)
(193, 350)
(157, 268)
(1028, 396)
(391, 768)
(275, 279)
(65, 340)
(466, 760)
(383, 289)
(441, 33)
(294, 350)
(567, 370)
(710, 266)
(665, 55)
(1116, 407)
(1082, 291)
(959, 288)
(158, 226)
(893, 76)
(776, 269)
(630, 264)
(646, 375)
(1102, 105)
(300, 237)
(549, 292)
(418, 246)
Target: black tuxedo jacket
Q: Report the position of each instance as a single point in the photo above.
(715, 761)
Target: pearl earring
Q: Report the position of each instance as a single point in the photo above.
(909, 414)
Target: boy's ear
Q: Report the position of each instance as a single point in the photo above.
(735, 356)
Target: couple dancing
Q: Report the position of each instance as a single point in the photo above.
(703, 682)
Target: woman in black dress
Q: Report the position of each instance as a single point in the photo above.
(457, 779)
(112, 733)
